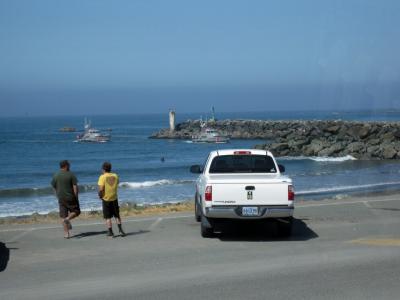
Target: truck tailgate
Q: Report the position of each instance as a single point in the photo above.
(252, 190)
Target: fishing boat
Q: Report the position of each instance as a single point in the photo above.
(209, 135)
(92, 135)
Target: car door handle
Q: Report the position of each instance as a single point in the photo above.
(250, 188)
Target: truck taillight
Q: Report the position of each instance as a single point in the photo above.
(290, 193)
(208, 193)
(242, 153)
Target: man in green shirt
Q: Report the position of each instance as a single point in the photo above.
(65, 186)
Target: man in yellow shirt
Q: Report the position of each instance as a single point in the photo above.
(108, 192)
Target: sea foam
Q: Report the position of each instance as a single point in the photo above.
(319, 158)
(346, 188)
(145, 184)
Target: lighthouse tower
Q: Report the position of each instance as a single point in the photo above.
(172, 120)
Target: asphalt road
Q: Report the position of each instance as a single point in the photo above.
(343, 249)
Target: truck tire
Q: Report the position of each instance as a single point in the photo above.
(205, 228)
(197, 214)
(285, 226)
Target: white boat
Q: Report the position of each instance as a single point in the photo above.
(209, 135)
(92, 135)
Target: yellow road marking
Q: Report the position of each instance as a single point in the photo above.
(377, 242)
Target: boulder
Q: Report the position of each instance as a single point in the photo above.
(332, 150)
(318, 145)
(260, 146)
(333, 129)
(374, 142)
(298, 143)
(387, 137)
(278, 147)
(396, 134)
(389, 153)
(373, 151)
(359, 131)
(364, 132)
(356, 147)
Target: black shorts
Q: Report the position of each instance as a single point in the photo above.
(67, 206)
(110, 209)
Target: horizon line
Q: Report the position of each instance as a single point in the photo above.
(381, 110)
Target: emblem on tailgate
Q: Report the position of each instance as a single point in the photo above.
(249, 195)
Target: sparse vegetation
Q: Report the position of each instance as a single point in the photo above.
(127, 209)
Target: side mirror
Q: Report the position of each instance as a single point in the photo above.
(281, 168)
(196, 169)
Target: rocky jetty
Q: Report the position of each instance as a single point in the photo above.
(362, 140)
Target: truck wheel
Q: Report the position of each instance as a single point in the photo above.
(285, 226)
(197, 214)
(206, 228)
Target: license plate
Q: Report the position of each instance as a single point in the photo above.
(249, 211)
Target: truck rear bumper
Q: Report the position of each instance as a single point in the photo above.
(234, 212)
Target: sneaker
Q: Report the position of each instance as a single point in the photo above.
(68, 223)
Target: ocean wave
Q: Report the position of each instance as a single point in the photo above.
(25, 192)
(48, 191)
(38, 191)
(319, 158)
(339, 189)
(28, 211)
(146, 184)
(333, 159)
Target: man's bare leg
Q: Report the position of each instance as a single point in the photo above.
(121, 231)
(66, 230)
(109, 227)
(67, 222)
(71, 216)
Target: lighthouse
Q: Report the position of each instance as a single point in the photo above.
(171, 120)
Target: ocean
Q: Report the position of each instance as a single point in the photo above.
(31, 148)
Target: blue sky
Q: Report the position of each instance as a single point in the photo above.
(80, 57)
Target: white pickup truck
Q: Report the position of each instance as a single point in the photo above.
(243, 184)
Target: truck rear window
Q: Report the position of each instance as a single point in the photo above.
(243, 164)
